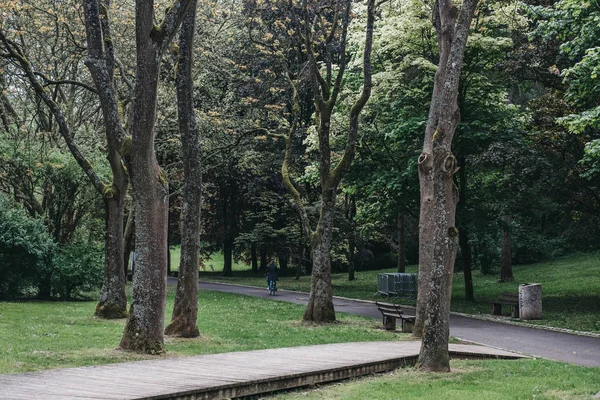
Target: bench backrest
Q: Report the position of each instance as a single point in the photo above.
(508, 297)
(389, 308)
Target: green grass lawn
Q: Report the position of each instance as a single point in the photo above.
(570, 289)
(40, 335)
(214, 263)
(480, 380)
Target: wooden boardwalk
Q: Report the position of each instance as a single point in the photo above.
(224, 375)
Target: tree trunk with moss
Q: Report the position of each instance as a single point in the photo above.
(128, 241)
(326, 90)
(144, 330)
(112, 302)
(320, 302)
(438, 237)
(185, 311)
(101, 64)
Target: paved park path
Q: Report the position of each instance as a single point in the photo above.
(226, 375)
(560, 346)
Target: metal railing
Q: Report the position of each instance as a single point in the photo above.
(397, 284)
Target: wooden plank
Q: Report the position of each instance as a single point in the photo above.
(210, 376)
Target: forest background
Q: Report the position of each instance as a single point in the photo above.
(527, 146)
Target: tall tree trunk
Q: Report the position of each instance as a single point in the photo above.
(401, 245)
(128, 241)
(463, 241)
(283, 254)
(463, 236)
(114, 133)
(506, 272)
(185, 311)
(351, 258)
(301, 250)
(144, 331)
(228, 211)
(437, 234)
(113, 301)
(228, 255)
(253, 258)
(101, 64)
(263, 257)
(320, 303)
(326, 91)
(45, 287)
(350, 215)
(425, 250)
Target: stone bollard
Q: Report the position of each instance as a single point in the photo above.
(530, 301)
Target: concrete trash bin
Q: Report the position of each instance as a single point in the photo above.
(530, 301)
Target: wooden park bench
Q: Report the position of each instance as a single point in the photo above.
(392, 312)
(509, 299)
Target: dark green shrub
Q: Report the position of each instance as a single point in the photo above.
(26, 252)
(78, 268)
(383, 261)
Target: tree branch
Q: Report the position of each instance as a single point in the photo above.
(49, 81)
(345, 22)
(349, 151)
(17, 54)
(285, 172)
(163, 35)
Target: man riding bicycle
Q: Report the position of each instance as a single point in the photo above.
(272, 275)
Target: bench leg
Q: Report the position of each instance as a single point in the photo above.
(389, 323)
(496, 309)
(514, 312)
(408, 325)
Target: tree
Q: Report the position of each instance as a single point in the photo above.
(326, 91)
(185, 311)
(113, 301)
(101, 64)
(144, 330)
(438, 237)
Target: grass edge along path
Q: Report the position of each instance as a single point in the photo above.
(469, 379)
(43, 335)
(570, 289)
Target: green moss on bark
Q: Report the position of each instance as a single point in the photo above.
(126, 146)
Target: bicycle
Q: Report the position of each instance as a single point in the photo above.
(272, 287)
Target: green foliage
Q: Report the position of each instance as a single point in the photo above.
(575, 26)
(26, 251)
(78, 269)
(591, 159)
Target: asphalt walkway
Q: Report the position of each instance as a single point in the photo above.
(560, 346)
